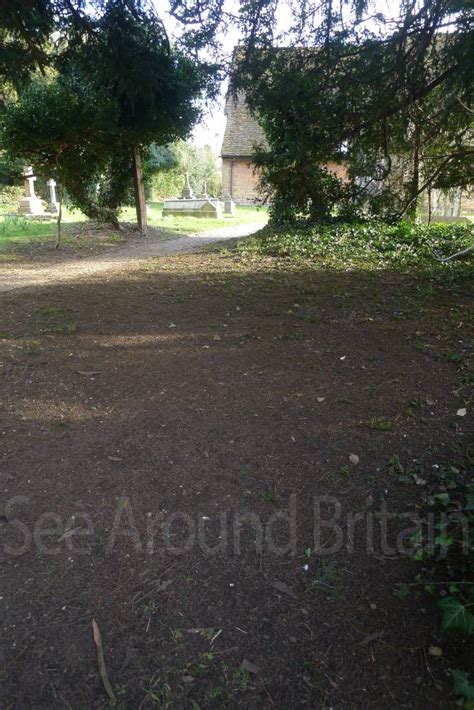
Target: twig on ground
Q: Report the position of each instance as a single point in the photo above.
(101, 661)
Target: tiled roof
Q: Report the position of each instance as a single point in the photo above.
(242, 132)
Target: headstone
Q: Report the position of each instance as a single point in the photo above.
(229, 204)
(30, 204)
(198, 207)
(53, 206)
(187, 193)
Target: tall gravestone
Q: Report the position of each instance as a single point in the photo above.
(30, 203)
(53, 206)
(229, 204)
(187, 193)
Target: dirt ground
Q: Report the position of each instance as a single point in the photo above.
(41, 264)
(174, 438)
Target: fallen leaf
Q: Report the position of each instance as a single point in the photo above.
(88, 373)
(320, 399)
(113, 458)
(282, 587)
(462, 412)
(250, 667)
(353, 458)
(372, 637)
(435, 651)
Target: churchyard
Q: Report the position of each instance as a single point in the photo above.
(236, 460)
(183, 456)
(22, 238)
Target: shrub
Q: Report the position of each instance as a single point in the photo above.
(10, 196)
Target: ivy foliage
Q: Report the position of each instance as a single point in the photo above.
(371, 244)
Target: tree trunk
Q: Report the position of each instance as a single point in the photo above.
(457, 202)
(415, 181)
(140, 203)
(58, 222)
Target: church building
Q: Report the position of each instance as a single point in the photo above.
(242, 134)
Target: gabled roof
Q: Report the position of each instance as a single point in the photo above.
(242, 132)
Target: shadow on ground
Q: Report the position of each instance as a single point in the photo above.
(175, 440)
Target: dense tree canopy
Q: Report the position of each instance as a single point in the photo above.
(389, 97)
(114, 86)
(387, 94)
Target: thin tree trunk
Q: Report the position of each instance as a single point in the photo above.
(415, 181)
(457, 202)
(140, 203)
(429, 206)
(58, 222)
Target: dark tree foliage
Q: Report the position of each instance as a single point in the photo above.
(114, 87)
(24, 31)
(390, 98)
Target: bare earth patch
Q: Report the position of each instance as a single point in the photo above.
(152, 419)
(46, 266)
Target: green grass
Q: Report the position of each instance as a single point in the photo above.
(192, 225)
(17, 231)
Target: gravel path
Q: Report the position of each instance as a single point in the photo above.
(29, 276)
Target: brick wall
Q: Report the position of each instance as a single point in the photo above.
(339, 169)
(239, 179)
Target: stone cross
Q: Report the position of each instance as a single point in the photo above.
(53, 203)
(30, 204)
(29, 181)
(187, 193)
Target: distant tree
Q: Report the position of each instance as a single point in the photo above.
(199, 162)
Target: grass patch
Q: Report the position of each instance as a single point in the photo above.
(17, 231)
(379, 424)
(56, 320)
(196, 225)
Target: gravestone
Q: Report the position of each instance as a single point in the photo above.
(189, 206)
(229, 204)
(30, 203)
(187, 193)
(53, 206)
(196, 207)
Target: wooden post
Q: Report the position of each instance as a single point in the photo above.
(140, 203)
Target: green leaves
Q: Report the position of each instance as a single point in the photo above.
(368, 245)
(463, 687)
(455, 616)
(117, 85)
